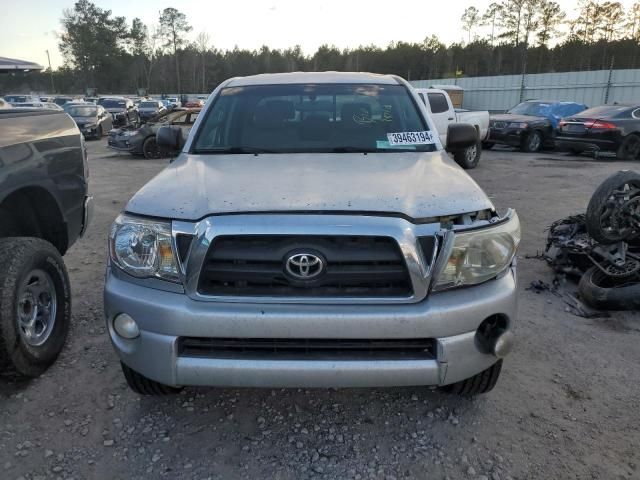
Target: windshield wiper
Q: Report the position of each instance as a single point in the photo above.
(234, 150)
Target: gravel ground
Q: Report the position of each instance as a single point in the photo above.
(566, 405)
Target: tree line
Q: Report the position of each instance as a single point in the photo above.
(511, 37)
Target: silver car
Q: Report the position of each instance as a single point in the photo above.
(313, 232)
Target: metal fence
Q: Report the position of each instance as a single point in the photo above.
(500, 93)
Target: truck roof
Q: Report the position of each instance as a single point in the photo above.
(313, 77)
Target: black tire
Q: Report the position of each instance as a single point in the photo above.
(151, 150)
(488, 145)
(469, 157)
(20, 257)
(630, 148)
(145, 386)
(481, 383)
(532, 142)
(603, 292)
(600, 226)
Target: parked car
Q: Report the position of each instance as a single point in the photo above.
(44, 209)
(15, 99)
(194, 103)
(62, 100)
(150, 108)
(142, 140)
(41, 105)
(174, 102)
(312, 233)
(93, 100)
(92, 120)
(121, 109)
(444, 114)
(608, 128)
(529, 125)
(47, 98)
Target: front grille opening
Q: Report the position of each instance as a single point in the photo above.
(253, 265)
(307, 348)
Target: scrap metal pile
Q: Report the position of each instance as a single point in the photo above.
(602, 247)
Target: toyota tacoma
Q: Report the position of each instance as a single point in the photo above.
(313, 232)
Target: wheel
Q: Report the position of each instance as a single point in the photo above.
(630, 148)
(35, 305)
(483, 382)
(532, 142)
(487, 145)
(151, 150)
(614, 208)
(469, 157)
(145, 386)
(603, 292)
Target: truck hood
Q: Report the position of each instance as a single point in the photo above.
(417, 185)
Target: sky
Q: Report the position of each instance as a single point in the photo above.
(30, 27)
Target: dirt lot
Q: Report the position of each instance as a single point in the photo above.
(567, 405)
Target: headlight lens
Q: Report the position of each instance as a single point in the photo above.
(518, 125)
(142, 248)
(480, 255)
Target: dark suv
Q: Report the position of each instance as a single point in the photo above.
(122, 110)
(44, 208)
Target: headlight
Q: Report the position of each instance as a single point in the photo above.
(142, 248)
(480, 255)
(130, 133)
(518, 125)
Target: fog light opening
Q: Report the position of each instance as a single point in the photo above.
(125, 326)
(493, 336)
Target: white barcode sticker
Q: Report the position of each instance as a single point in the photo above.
(410, 138)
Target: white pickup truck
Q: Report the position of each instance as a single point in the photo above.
(443, 114)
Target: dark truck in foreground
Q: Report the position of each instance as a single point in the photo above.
(44, 209)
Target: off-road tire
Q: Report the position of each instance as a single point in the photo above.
(488, 145)
(145, 386)
(469, 157)
(532, 142)
(18, 257)
(598, 203)
(630, 148)
(601, 292)
(481, 383)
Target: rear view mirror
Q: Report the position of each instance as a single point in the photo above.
(170, 137)
(461, 136)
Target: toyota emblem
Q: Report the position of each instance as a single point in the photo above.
(304, 265)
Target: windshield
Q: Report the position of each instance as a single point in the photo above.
(608, 111)
(16, 98)
(81, 111)
(535, 109)
(314, 118)
(148, 105)
(113, 103)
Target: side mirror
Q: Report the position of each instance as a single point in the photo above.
(461, 136)
(170, 137)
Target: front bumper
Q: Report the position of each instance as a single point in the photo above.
(449, 317)
(123, 144)
(512, 137)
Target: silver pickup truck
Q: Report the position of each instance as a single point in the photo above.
(313, 232)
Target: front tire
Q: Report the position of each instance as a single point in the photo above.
(469, 157)
(151, 150)
(481, 383)
(145, 386)
(532, 142)
(35, 305)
